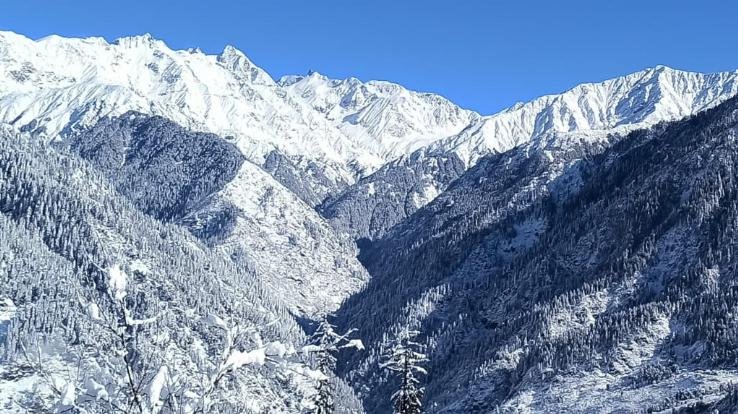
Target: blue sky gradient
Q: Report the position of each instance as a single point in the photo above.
(484, 55)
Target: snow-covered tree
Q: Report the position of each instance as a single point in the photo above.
(232, 358)
(405, 359)
(325, 344)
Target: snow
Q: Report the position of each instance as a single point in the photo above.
(595, 390)
(237, 359)
(56, 83)
(427, 193)
(217, 321)
(640, 348)
(414, 313)
(139, 266)
(7, 311)
(278, 349)
(117, 282)
(526, 234)
(315, 374)
(157, 385)
(69, 396)
(600, 392)
(93, 311)
(307, 349)
(578, 317)
(19, 381)
(712, 277)
(294, 250)
(386, 117)
(354, 343)
(95, 389)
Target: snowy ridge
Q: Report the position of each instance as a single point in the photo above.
(56, 83)
(394, 119)
(587, 114)
(236, 207)
(619, 105)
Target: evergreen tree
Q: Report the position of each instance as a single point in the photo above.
(405, 359)
(325, 344)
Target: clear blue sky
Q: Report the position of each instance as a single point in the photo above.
(484, 55)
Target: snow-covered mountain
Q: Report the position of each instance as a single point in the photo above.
(332, 131)
(371, 206)
(588, 113)
(352, 128)
(586, 277)
(619, 105)
(119, 308)
(403, 121)
(54, 85)
(395, 120)
(303, 261)
(548, 258)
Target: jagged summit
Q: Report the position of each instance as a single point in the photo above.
(145, 39)
(397, 120)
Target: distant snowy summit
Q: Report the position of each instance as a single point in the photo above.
(393, 120)
(53, 85)
(621, 104)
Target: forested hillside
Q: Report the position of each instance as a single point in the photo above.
(605, 278)
(106, 309)
(203, 183)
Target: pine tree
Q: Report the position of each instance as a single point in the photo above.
(325, 344)
(405, 359)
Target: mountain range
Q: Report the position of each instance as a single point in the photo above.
(571, 253)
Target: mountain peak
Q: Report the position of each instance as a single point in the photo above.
(232, 51)
(658, 70)
(372, 121)
(239, 64)
(288, 80)
(385, 116)
(310, 75)
(146, 40)
(313, 74)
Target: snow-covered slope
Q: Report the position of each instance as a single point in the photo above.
(619, 105)
(201, 181)
(372, 205)
(297, 253)
(108, 265)
(383, 116)
(53, 84)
